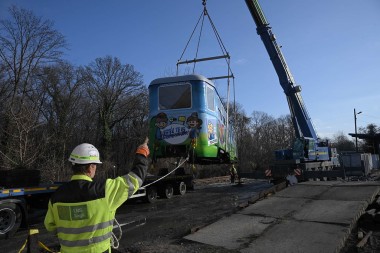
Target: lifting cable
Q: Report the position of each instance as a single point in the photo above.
(229, 75)
(225, 55)
(187, 44)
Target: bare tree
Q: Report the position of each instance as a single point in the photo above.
(368, 145)
(284, 133)
(240, 123)
(259, 136)
(62, 111)
(131, 131)
(262, 130)
(24, 137)
(26, 43)
(4, 89)
(112, 87)
(342, 143)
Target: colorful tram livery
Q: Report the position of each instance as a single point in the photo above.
(187, 117)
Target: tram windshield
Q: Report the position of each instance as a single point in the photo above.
(176, 96)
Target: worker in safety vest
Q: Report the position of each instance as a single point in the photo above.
(82, 211)
(233, 173)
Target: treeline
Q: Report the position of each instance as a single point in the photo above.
(48, 106)
(258, 135)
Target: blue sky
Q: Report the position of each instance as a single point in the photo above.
(331, 46)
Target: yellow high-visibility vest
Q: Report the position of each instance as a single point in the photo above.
(86, 226)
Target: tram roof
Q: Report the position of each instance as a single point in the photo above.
(184, 78)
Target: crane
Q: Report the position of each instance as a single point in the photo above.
(307, 150)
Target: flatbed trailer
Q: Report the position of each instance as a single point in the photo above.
(15, 202)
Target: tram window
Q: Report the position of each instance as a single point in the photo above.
(174, 96)
(210, 99)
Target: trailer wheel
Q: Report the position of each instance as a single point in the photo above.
(10, 219)
(151, 194)
(168, 191)
(181, 189)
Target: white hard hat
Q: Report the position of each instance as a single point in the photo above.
(84, 154)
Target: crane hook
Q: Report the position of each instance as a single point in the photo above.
(204, 7)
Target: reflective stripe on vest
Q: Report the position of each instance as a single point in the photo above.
(131, 186)
(85, 242)
(86, 229)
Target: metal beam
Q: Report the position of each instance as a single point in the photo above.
(203, 59)
(220, 77)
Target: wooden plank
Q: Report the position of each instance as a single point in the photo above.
(364, 240)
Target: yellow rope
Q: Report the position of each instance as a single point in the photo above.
(43, 246)
(46, 248)
(23, 246)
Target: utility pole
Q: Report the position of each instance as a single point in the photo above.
(356, 137)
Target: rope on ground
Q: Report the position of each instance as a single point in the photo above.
(46, 248)
(23, 246)
(115, 239)
(32, 243)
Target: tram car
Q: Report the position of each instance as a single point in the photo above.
(187, 119)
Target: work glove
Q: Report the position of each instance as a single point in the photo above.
(143, 149)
